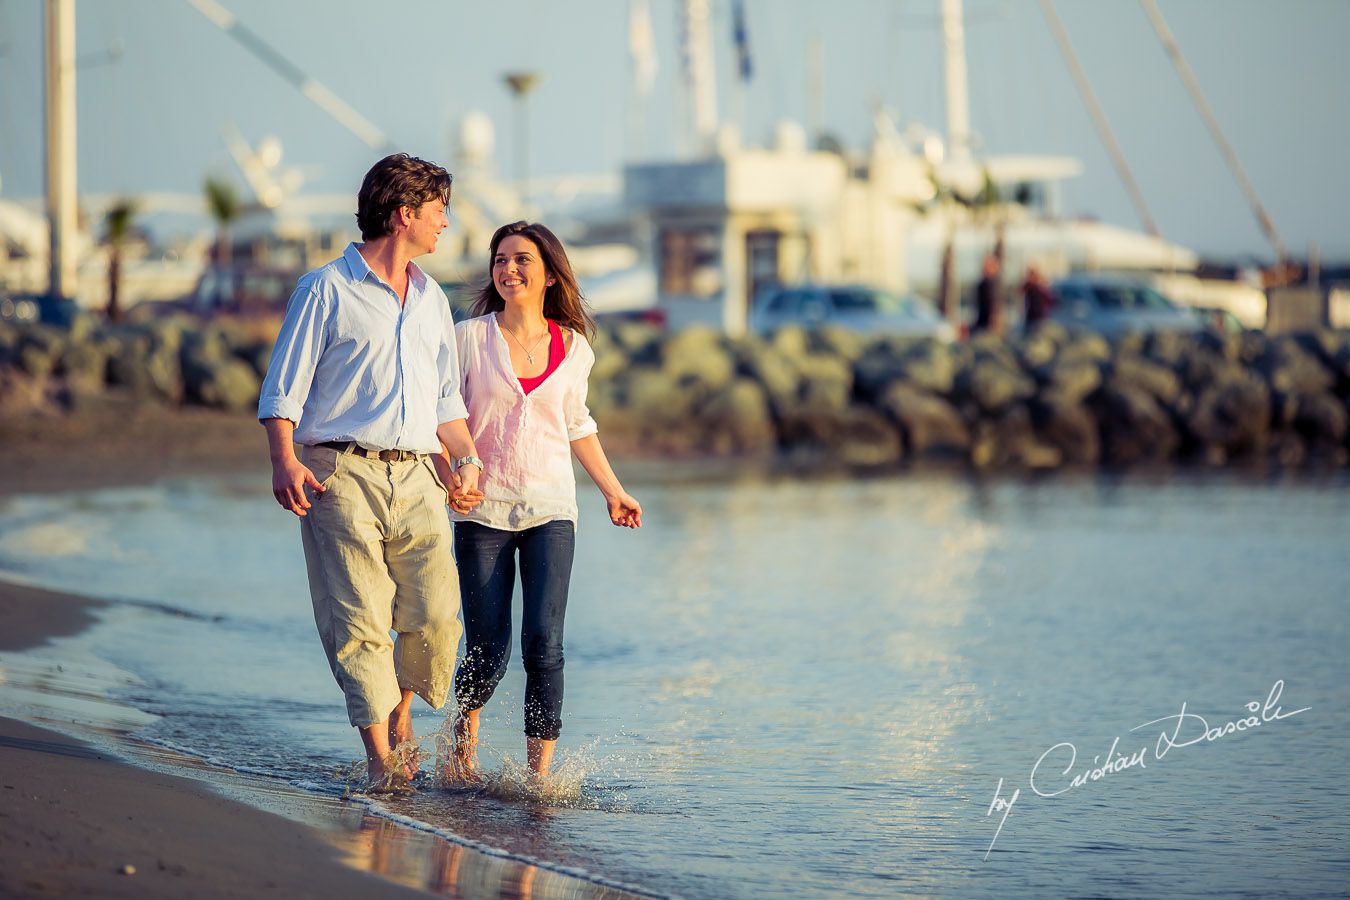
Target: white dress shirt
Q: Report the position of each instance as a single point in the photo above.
(351, 364)
(525, 440)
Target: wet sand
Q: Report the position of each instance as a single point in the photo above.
(73, 817)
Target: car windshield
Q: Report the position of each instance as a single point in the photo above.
(855, 301)
(1129, 298)
(880, 303)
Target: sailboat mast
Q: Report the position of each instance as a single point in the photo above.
(60, 158)
(1230, 157)
(1099, 117)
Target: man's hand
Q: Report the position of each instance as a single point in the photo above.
(289, 480)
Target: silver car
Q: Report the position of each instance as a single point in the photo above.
(1116, 305)
(853, 307)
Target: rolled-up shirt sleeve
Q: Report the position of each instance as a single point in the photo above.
(450, 405)
(290, 372)
(579, 421)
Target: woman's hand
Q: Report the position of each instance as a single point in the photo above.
(624, 510)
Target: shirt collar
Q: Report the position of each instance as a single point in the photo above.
(360, 270)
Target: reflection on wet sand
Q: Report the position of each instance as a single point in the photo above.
(443, 867)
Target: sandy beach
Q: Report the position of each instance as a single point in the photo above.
(76, 821)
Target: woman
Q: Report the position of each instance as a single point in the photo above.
(525, 361)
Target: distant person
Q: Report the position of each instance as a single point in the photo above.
(365, 376)
(1038, 299)
(989, 297)
(526, 361)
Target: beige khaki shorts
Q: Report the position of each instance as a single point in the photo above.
(377, 545)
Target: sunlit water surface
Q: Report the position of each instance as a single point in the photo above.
(812, 688)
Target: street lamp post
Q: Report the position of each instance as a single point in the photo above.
(521, 83)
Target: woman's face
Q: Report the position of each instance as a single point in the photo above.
(518, 271)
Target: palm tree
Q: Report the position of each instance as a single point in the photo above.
(119, 220)
(222, 200)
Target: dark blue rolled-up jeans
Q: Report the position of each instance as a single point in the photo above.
(487, 577)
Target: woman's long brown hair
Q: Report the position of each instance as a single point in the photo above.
(563, 302)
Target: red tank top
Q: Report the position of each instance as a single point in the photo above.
(555, 358)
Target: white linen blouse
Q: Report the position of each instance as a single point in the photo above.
(524, 440)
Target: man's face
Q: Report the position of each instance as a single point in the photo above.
(428, 221)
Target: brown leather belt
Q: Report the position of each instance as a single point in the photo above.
(356, 449)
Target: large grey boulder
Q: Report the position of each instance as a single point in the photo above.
(825, 381)
(698, 354)
(736, 419)
(146, 362)
(655, 396)
(1068, 425)
(764, 364)
(1085, 347)
(1288, 367)
(931, 426)
(1233, 414)
(1010, 441)
(1167, 347)
(875, 371)
(230, 385)
(994, 386)
(1072, 378)
(38, 350)
(1135, 428)
(855, 436)
(1321, 419)
(831, 340)
(1142, 373)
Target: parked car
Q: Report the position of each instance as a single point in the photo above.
(854, 307)
(1113, 305)
(38, 308)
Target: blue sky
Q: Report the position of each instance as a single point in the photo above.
(1275, 73)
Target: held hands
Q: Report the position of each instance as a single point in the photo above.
(464, 492)
(289, 480)
(624, 510)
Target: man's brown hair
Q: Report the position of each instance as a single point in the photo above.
(395, 181)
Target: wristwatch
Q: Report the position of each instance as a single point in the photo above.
(468, 461)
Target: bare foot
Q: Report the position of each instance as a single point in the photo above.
(387, 775)
(403, 741)
(464, 759)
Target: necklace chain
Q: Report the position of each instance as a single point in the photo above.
(529, 351)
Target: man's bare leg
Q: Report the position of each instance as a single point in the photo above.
(376, 740)
(382, 738)
(539, 754)
(401, 732)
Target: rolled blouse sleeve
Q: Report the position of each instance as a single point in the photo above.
(579, 421)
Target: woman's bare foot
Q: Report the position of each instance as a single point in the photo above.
(465, 749)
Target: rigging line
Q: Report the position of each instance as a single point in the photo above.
(1173, 51)
(325, 99)
(1099, 118)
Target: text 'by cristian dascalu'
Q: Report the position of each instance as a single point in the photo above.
(1057, 771)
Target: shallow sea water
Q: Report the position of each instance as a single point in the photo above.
(810, 688)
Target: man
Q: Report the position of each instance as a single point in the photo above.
(365, 376)
(1039, 300)
(989, 297)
